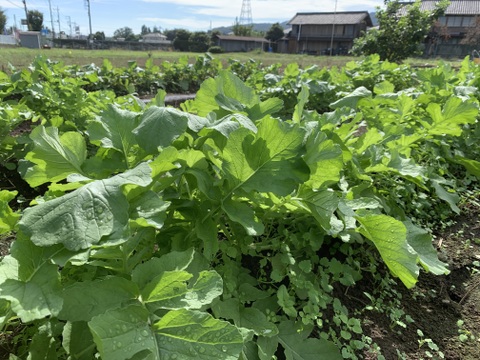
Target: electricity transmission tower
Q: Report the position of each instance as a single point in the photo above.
(246, 13)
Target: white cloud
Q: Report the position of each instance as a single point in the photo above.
(267, 9)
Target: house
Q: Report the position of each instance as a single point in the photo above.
(155, 38)
(316, 33)
(232, 43)
(449, 31)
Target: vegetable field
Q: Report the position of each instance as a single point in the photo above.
(268, 218)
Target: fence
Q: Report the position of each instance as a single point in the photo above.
(8, 40)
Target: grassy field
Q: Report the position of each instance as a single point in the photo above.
(21, 57)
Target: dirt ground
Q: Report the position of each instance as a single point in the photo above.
(438, 303)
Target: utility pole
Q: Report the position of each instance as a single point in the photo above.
(90, 37)
(51, 19)
(333, 28)
(58, 20)
(26, 14)
(69, 19)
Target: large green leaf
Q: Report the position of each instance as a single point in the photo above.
(124, 333)
(325, 160)
(172, 290)
(114, 129)
(243, 214)
(455, 112)
(159, 127)
(84, 217)
(55, 157)
(421, 241)
(84, 300)
(77, 341)
(8, 218)
(390, 238)
(196, 335)
(298, 346)
(36, 297)
(350, 100)
(226, 91)
(269, 161)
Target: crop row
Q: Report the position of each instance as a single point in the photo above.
(227, 228)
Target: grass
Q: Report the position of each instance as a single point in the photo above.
(21, 57)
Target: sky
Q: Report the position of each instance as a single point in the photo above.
(193, 15)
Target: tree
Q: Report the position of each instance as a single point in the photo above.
(402, 28)
(275, 33)
(182, 40)
(99, 35)
(199, 41)
(242, 30)
(35, 20)
(145, 30)
(125, 33)
(170, 34)
(3, 20)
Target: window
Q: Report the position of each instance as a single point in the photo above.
(455, 21)
(468, 21)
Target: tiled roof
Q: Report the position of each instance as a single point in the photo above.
(456, 7)
(328, 18)
(241, 38)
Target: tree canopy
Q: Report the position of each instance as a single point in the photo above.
(275, 32)
(3, 20)
(125, 33)
(402, 28)
(35, 20)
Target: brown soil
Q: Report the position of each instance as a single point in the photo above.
(437, 303)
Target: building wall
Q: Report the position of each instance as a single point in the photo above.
(239, 46)
(8, 40)
(317, 39)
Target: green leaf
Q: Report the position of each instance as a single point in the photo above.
(77, 341)
(84, 300)
(85, 216)
(301, 102)
(472, 166)
(322, 205)
(114, 129)
(267, 107)
(421, 241)
(325, 160)
(122, 333)
(390, 238)
(173, 261)
(268, 161)
(197, 335)
(225, 90)
(36, 297)
(298, 346)
(286, 301)
(55, 157)
(171, 290)
(254, 319)
(149, 210)
(455, 113)
(8, 218)
(267, 347)
(351, 100)
(159, 127)
(244, 215)
(451, 198)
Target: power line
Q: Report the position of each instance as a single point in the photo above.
(11, 2)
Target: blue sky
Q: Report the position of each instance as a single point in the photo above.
(194, 15)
